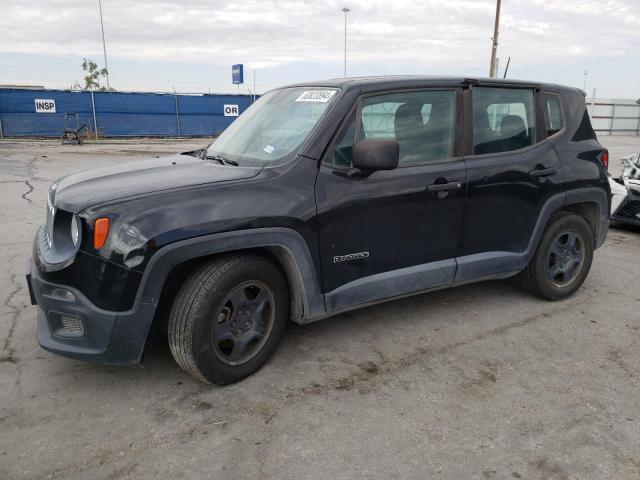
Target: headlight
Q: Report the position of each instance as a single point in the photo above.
(75, 230)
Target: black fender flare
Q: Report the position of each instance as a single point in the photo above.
(286, 244)
(599, 197)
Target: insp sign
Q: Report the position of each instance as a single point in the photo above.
(45, 105)
(231, 110)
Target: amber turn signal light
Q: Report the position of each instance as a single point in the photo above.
(100, 232)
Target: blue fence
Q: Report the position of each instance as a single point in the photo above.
(118, 114)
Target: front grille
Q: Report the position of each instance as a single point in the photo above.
(631, 210)
(66, 325)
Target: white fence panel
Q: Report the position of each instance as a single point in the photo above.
(614, 116)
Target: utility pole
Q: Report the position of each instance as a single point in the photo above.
(254, 85)
(104, 47)
(175, 95)
(494, 48)
(346, 10)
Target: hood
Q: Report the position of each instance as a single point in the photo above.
(81, 190)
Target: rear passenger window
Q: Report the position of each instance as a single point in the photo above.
(421, 122)
(552, 114)
(503, 119)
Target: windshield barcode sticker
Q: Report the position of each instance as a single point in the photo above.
(321, 96)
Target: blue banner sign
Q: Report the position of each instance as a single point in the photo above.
(237, 73)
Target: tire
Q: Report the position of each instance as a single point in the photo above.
(220, 306)
(555, 276)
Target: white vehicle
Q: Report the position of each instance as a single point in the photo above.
(625, 203)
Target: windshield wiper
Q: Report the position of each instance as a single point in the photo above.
(221, 160)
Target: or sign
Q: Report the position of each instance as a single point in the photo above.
(45, 105)
(231, 110)
(237, 74)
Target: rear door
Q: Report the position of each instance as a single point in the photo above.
(397, 231)
(512, 172)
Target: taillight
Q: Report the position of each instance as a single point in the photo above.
(605, 159)
(100, 232)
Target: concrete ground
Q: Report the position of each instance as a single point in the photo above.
(482, 381)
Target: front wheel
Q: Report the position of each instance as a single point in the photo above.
(228, 317)
(563, 258)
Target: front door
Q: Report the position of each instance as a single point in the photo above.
(392, 232)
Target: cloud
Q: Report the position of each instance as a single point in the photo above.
(403, 31)
(429, 34)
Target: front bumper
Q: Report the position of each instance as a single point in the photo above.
(70, 324)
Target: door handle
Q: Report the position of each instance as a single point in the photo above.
(542, 172)
(444, 187)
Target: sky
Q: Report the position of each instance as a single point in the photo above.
(190, 45)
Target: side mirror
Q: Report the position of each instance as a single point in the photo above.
(376, 154)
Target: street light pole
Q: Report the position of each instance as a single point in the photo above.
(346, 10)
(104, 47)
(584, 86)
(494, 48)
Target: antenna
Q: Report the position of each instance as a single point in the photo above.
(506, 69)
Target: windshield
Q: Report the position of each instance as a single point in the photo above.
(274, 126)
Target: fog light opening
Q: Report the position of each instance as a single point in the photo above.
(62, 294)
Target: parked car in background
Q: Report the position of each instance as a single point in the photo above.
(625, 203)
(321, 198)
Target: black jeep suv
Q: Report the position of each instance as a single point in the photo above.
(320, 198)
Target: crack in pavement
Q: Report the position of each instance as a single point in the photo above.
(8, 351)
(100, 458)
(24, 195)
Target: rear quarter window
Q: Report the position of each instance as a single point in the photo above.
(553, 117)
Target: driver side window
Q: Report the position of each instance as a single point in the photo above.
(422, 122)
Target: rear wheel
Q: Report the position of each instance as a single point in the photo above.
(228, 317)
(562, 260)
